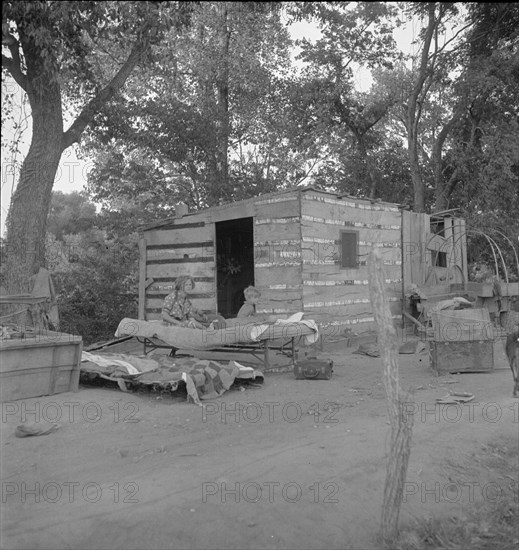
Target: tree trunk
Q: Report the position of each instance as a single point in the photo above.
(222, 147)
(416, 178)
(444, 189)
(372, 173)
(30, 203)
(414, 109)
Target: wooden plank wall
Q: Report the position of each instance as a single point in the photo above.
(424, 245)
(453, 244)
(142, 276)
(277, 254)
(419, 246)
(338, 298)
(186, 248)
(441, 242)
(459, 247)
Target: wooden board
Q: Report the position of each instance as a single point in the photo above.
(284, 206)
(465, 325)
(406, 259)
(44, 365)
(272, 252)
(463, 241)
(322, 275)
(202, 289)
(286, 229)
(414, 252)
(184, 233)
(154, 305)
(337, 324)
(329, 230)
(356, 210)
(165, 253)
(315, 253)
(509, 289)
(459, 252)
(172, 271)
(142, 277)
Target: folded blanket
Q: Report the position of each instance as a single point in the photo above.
(284, 328)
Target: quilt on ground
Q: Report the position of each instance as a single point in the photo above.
(204, 379)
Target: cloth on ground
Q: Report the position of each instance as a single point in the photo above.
(204, 379)
(35, 428)
(368, 349)
(120, 363)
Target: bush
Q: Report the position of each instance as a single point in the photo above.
(97, 286)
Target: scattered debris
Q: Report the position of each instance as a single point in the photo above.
(38, 428)
(368, 349)
(453, 304)
(416, 346)
(453, 398)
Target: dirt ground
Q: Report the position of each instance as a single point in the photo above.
(294, 464)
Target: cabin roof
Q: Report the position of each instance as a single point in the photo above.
(172, 221)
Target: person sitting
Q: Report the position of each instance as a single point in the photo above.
(178, 309)
(248, 309)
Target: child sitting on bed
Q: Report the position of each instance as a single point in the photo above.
(178, 310)
(248, 309)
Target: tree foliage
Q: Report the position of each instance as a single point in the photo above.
(96, 280)
(70, 214)
(199, 121)
(94, 270)
(457, 82)
(327, 103)
(215, 110)
(81, 53)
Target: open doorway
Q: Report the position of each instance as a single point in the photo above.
(234, 263)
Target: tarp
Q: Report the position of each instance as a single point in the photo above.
(204, 379)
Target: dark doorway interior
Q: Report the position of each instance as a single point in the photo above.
(234, 263)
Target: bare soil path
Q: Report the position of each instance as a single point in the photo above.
(295, 464)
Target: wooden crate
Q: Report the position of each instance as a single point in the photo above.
(45, 364)
(462, 356)
(463, 341)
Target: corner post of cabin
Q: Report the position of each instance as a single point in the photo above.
(402, 265)
(142, 276)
